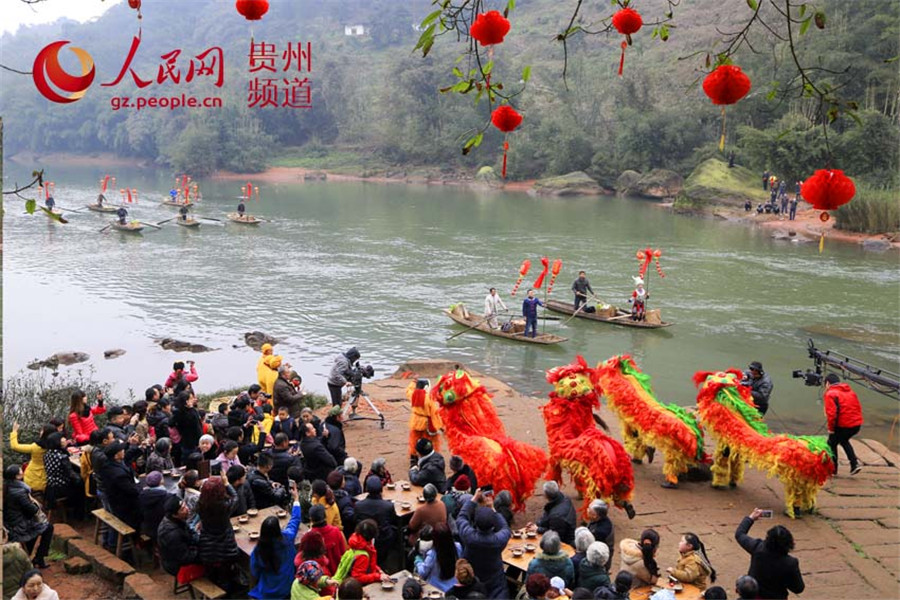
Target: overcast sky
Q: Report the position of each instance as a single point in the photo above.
(17, 13)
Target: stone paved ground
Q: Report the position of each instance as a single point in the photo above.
(850, 550)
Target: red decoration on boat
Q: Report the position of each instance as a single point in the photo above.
(626, 22)
(554, 272)
(539, 282)
(828, 189)
(523, 271)
(252, 10)
(489, 28)
(506, 119)
(726, 85)
(645, 257)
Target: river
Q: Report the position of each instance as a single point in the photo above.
(343, 264)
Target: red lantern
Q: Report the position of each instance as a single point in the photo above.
(554, 273)
(523, 271)
(506, 119)
(626, 22)
(252, 10)
(640, 255)
(135, 4)
(828, 189)
(726, 85)
(489, 28)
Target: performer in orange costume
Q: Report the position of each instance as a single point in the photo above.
(424, 420)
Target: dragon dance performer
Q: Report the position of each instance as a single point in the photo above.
(424, 420)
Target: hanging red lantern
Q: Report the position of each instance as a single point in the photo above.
(523, 271)
(554, 273)
(828, 189)
(252, 10)
(489, 28)
(626, 22)
(506, 119)
(640, 255)
(726, 85)
(135, 4)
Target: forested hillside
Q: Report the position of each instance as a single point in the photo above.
(374, 97)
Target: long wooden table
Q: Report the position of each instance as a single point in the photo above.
(398, 496)
(242, 534)
(374, 591)
(521, 562)
(690, 592)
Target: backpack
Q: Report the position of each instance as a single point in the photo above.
(347, 560)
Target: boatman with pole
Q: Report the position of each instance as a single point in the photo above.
(122, 214)
(581, 287)
(492, 306)
(240, 209)
(529, 311)
(184, 213)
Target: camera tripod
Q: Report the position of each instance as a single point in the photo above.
(353, 402)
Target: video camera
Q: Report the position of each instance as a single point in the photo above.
(357, 373)
(809, 377)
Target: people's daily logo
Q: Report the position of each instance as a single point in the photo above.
(49, 76)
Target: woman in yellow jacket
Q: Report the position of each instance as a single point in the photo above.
(693, 567)
(262, 369)
(35, 476)
(322, 494)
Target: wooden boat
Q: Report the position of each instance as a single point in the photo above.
(132, 227)
(102, 209)
(177, 203)
(246, 219)
(188, 223)
(541, 338)
(621, 318)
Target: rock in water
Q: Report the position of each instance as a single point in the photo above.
(180, 346)
(109, 354)
(255, 339)
(60, 358)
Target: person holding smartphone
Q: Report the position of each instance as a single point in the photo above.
(771, 564)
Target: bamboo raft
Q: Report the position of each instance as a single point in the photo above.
(245, 220)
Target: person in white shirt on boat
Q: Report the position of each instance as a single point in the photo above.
(492, 306)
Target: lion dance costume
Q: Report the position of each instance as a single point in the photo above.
(424, 420)
(802, 463)
(647, 423)
(476, 434)
(598, 464)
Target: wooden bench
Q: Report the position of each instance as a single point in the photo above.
(206, 589)
(106, 520)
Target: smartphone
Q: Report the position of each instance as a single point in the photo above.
(487, 490)
(673, 579)
(766, 514)
(215, 470)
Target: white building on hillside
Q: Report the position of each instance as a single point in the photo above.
(354, 30)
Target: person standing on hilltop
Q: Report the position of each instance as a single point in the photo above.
(765, 180)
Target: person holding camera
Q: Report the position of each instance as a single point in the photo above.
(284, 393)
(760, 385)
(771, 564)
(81, 415)
(341, 373)
(844, 415)
(178, 375)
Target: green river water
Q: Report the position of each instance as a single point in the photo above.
(369, 265)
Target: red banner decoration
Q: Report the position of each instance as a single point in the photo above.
(626, 22)
(539, 282)
(726, 85)
(554, 272)
(489, 28)
(523, 271)
(645, 257)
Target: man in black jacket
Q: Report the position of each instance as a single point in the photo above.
(20, 516)
(317, 461)
(374, 507)
(559, 514)
(178, 545)
(430, 466)
(458, 467)
(118, 483)
(774, 569)
(152, 504)
(237, 480)
(334, 440)
(265, 492)
(283, 458)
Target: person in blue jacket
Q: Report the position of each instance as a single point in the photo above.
(272, 561)
(529, 311)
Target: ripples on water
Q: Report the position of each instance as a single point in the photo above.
(354, 264)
